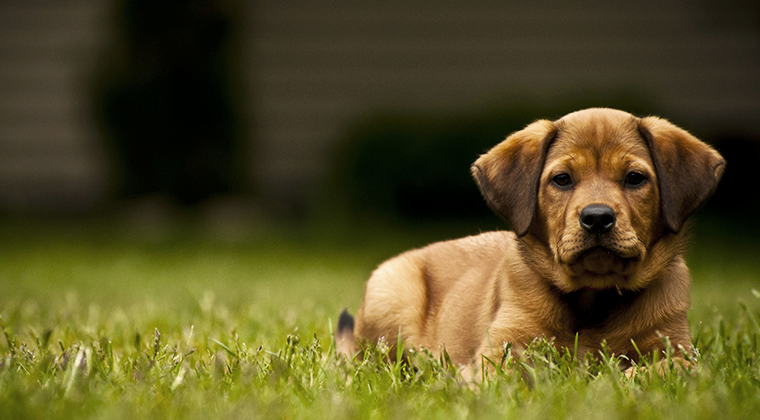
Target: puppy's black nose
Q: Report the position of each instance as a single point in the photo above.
(598, 218)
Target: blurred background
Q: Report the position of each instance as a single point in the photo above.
(339, 110)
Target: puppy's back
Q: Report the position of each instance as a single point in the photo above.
(409, 289)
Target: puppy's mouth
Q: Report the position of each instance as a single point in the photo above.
(601, 260)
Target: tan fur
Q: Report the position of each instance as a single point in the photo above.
(551, 277)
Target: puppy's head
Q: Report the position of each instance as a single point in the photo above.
(598, 189)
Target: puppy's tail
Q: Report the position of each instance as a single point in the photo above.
(345, 342)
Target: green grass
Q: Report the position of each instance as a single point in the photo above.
(102, 321)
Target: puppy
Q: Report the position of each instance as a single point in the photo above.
(597, 200)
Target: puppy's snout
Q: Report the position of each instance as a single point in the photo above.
(598, 218)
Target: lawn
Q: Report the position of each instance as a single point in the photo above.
(111, 320)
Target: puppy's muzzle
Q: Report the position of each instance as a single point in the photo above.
(597, 219)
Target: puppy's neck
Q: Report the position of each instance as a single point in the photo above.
(592, 308)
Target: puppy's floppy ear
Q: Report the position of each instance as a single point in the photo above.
(508, 174)
(688, 170)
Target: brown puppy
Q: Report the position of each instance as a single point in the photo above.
(598, 201)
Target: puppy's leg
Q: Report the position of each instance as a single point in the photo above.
(345, 341)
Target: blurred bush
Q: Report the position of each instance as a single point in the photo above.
(735, 199)
(165, 97)
(401, 165)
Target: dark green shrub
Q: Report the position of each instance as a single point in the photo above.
(404, 165)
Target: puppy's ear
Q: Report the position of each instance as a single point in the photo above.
(688, 170)
(508, 174)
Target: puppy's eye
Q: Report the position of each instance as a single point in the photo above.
(635, 179)
(562, 181)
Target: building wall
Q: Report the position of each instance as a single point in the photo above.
(312, 68)
(50, 153)
(316, 66)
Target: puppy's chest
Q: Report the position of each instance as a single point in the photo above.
(590, 309)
